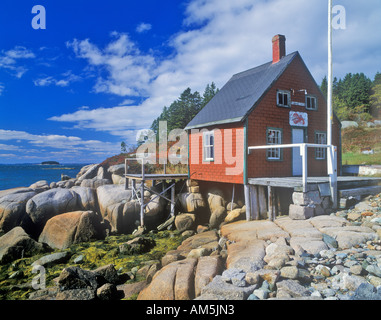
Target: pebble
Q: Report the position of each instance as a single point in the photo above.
(234, 276)
(332, 274)
(79, 259)
(341, 255)
(329, 292)
(261, 293)
(356, 269)
(374, 270)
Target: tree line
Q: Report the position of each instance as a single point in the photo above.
(180, 112)
(355, 97)
(185, 108)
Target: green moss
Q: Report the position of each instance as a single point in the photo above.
(133, 297)
(96, 254)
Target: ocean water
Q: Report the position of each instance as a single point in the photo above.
(23, 175)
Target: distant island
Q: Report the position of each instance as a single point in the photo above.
(50, 162)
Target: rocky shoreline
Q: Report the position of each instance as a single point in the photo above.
(84, 233)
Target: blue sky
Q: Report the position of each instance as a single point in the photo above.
(102, 70)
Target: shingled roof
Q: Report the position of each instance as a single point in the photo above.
(240, 94)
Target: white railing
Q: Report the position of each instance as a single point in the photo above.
(332, 164)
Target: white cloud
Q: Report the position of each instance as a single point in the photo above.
(8, 147)
(9, 60)
(66, 79)
(143, 27)
(19, 52)
(65, 143)
(129, 71)
(221, 38)
(7, 155)
(1, 88)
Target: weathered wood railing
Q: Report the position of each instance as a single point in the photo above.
(332, 163)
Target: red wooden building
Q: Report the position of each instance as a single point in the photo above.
(276, 103)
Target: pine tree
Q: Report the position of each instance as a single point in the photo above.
(209, 93)
(355, 91)
(123, 147)
(375, 97)
(324, 86)
(184, 109)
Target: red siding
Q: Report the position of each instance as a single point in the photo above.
(223, 169)
(267, 114)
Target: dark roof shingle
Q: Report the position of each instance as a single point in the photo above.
(240, 94)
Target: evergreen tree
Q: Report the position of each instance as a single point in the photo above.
(209, 93)
(375, 97)
(324, 87)
(351, 96)
(184, 109)
(355, 89)
(123, 147)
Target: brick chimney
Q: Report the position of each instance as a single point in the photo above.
(279, 47)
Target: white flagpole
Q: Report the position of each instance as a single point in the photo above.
(331, 152)
(330, 77)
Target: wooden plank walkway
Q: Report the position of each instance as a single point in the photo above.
(343, 182)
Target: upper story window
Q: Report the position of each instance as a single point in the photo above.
(208, 145)
(283, 98)
(311, 102)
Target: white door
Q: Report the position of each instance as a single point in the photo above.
(297, 137)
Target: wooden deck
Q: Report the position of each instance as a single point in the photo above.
(343, 182)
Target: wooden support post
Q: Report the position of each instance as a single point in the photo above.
(254, 202)
(173, 198)
(231, 204)
(247, 202)
(277, 202)
(133, 188)
(125, 173)
(142, 203)
(142, 197)
(262, 202)
(270, 203)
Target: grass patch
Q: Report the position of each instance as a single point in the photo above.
(351, 158)
(355, 140)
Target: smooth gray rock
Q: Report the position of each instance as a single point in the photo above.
(16, 244)
(227, 290)
(297, 212)
(12, 209)
(367, 292)
(53, 258)
(292, 288)
(50, 203)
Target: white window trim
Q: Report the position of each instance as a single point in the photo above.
(316, 102)
(206, 139)
(277, 150)
(288, 93)
(320, 153)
